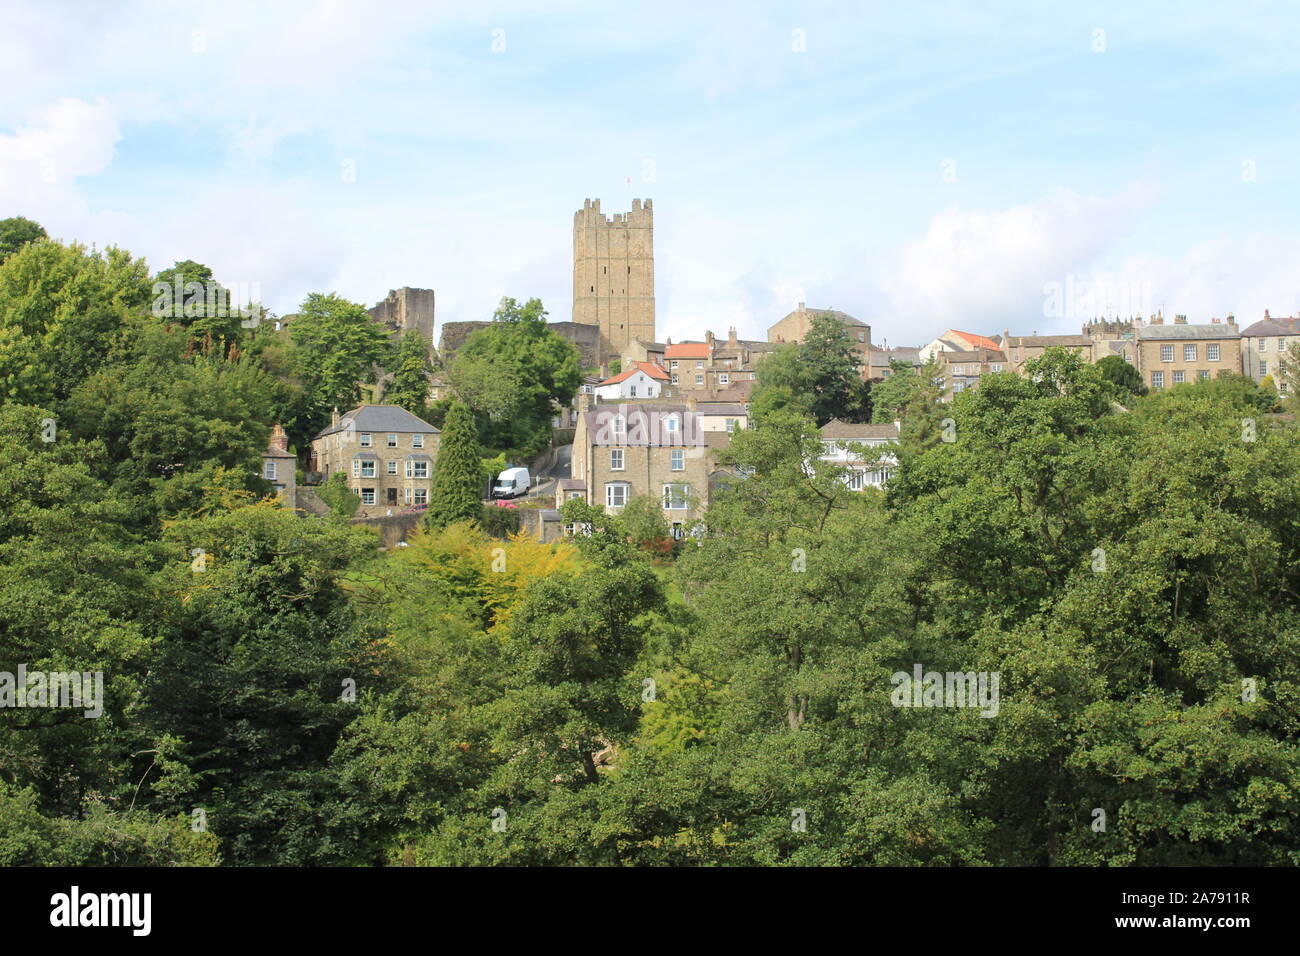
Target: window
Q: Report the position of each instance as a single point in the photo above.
(1189, 353)
(672, 364)
(620, 425)
(670, 424)
(1178, 377)
(724, 378)
(366, 440)
(392, 439)
(699, 380)
(855, 479)
(616, 459)
(677, 459)
(392, 467)
(1157, 379)
(1263, 368)
(675, 496)
(421, 496)
(356, 469)
(862, 336)
(367, 496)
(406, 495)
(959, 386)
(995, 367)
(679, 531)
(417, 441)
(699, 365)
(367, 469)
(1203, 375)
(1263, 345)
(631, 391)
(417, 469)
(616, 494)
(674, 376)
(731, 424)
(1211, 353)
(269, 472)
(1166, 353)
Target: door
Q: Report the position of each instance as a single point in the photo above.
(392, 496)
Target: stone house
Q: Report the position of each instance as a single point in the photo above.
(878, 368)
(955, 340)
(280, 467)
(960, 371)
(1264, 346)
(794, 327)
(1020, 349)
(1180, 352)
(726, 417)
(658, 449)
(386, 453)
(849, 446)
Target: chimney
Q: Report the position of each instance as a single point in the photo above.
(708, 338)
(801, 308)
(732, 341)
(1214, 320)
(1180, 320)
(279, 440)
(1232, 319)
(334, 417)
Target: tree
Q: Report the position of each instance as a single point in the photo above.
(62, 311)
(17, 232)
(188, 295)
(1121, 374)
(456, 490)
(336, 346)
(410, 385)
(822, 373)
(513, 374)
(899, 389)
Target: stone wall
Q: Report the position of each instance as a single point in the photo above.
(404, 309)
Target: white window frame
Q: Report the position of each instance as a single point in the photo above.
(391, 467)
(1212, 352)
(1189, 353)
(1166, 353)
(611, 487)
(367, 439)
(417, 441)
(670, 496)
(371, 493)
(392, 439)
(677, 459)
(269, 470)
(617, 459)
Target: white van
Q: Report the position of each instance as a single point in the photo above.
(512, 483)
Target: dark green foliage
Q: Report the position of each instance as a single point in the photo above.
(16, 232)
(456, 491)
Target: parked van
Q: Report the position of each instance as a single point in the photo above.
(512, 483)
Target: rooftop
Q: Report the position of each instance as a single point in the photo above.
(649, 368)
(380, 418)
(1180, 331)
(837, 430)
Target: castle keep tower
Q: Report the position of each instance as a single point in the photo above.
(614, 274)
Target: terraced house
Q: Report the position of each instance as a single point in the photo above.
(1171, 354)
(1264, 346)
(642, 448)
(386, 453)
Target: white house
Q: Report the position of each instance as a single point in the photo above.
(849, 446)
(643, 380)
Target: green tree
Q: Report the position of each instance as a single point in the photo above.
(513, 374)
(410, 385)
(891, 396)
(456, 490)
(336, 349)
(16, 232)
(821, 374)
(1122, 374)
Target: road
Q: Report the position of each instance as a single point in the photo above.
(544, 486)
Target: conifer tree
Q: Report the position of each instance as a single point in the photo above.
(456, 493)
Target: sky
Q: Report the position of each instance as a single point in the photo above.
(921, 166)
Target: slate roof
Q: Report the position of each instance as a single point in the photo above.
(1046, 341)
(380, 418)
(1273, 325)
(720, 408)
(572, 484)
(836, 430)
(1176, 332)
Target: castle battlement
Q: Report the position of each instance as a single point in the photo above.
(613, 273)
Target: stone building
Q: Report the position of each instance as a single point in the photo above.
(1264, 345)
(961, 371)
(622, 450)
(1020, 349)
(386, 453)
(795, 325)
(586, 339)
(850, 447)
(1179, 352)
(280, 467)
(613, 274)
(405, 309)
(714, 364)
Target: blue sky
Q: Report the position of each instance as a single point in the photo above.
(920, 166)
